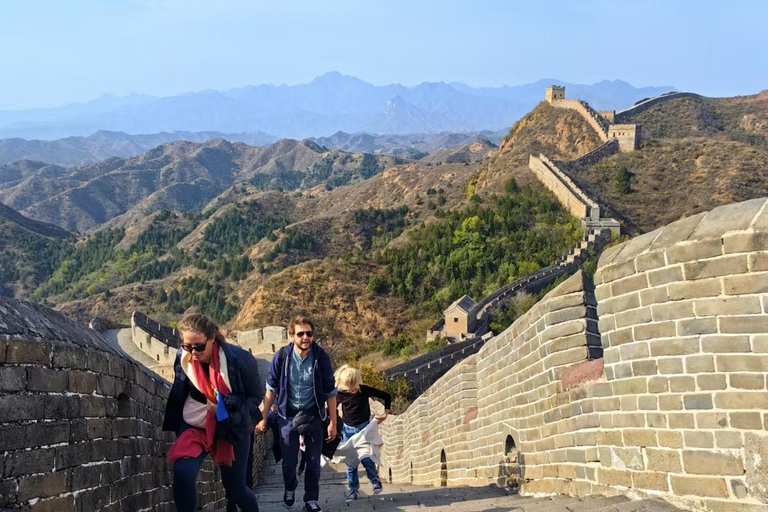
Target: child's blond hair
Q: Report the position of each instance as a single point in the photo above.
(348, 379)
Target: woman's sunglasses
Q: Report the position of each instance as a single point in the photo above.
(194, 348)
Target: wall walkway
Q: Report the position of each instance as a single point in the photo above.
(625, 114)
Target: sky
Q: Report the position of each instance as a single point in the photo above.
(56, 52)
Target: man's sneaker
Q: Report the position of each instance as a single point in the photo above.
(377, 487)
(312, 506)
(351, 496)
(289, 497)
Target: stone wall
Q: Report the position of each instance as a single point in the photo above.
(154, 339)
(80, 423)
(680, 411)
(275, 334)
(566, 191)
(501, 391)
(644, 105)
(592, 117)
(685, 330)
(609, 148)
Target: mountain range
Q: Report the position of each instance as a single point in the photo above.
(182, 176)
(330, 103)
(77, 151)
(372, 246)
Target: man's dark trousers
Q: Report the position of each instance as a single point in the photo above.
(313, 445)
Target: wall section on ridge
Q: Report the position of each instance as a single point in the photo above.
(680, 410)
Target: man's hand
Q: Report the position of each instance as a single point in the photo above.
(211, 406)
(382, 417)
(331, 432)
(261, 426)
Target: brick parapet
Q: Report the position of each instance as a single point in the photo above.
(80, 423)
(625, 114)
(505, 389)
(681, 411)
(599, 124)
(683, 318)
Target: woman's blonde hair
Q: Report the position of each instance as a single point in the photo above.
(348, 378)
(197, 322)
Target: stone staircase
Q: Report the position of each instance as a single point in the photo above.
(411, 498)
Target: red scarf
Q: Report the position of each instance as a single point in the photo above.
(194, 441)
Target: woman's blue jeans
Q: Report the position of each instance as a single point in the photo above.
(185, 473)
(370, 468)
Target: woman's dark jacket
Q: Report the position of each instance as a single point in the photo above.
(242, 403)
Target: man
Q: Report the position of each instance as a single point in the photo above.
(301, 377)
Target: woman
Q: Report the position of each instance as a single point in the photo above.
(353, 398)
(213, 407)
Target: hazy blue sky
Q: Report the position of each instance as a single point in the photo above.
(56, 52)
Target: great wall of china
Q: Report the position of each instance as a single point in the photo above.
(598, 230)
(676, 407)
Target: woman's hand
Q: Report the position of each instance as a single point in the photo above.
(382, 417)
(261, 426)
(212, 408)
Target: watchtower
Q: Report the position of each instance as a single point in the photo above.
(555, 92)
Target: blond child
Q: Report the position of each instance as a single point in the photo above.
(353, 398)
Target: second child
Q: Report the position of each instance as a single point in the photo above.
(353, 398)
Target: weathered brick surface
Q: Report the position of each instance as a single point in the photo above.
(67, 442)
(683, 318)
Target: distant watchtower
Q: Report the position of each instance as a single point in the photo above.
(555, 92)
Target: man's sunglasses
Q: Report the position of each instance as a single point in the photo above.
(301, 334)
(194, 348)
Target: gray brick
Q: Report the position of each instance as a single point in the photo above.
(29, 352)
(21, 407)
(694, 289)
(654, 331)
(665, 276)
(697, 401)
(629, 285)
(692, 251)
(672, 311)
(650, 261)
(29, 462)
(633, 317)
(697, 326)
(720, 344)
(746, 283)
(13, 379)
(728, 306)
(654, 296)
(634, 351)
(728, 265)
(42, 486)
(45, 379)
(745, 242)
(674, 346)
(758, 262)
(741, 362)
(757, 324)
